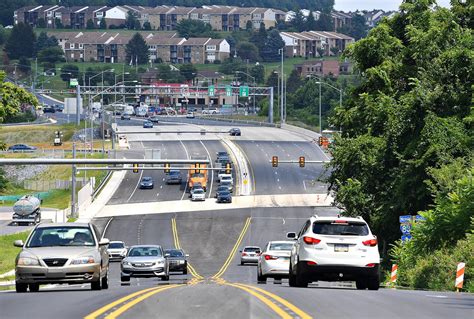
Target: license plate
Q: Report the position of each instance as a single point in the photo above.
(341, 248)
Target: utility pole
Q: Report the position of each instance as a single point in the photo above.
(320, 115)
(282, 90)
(73, 182)
(270, 108)
(78, 104)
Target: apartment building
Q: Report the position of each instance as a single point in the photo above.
(315, 43)
(323, 67)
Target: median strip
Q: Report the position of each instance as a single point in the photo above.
(174, 228)
(234, 249)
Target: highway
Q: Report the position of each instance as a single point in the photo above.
(217, 285)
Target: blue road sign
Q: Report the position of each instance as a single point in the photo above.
(406, 238)
(405, 219)
(405, 228)
(419, 218)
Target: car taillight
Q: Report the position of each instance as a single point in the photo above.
(269, 257)
(311, 263)
(311, 241)
(370, 242)
(244, 254)
(370, 265)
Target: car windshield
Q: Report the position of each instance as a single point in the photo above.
(281, 246)
(175, 173)
(116, 245)
(251, 249)
(145, 252)
(226, 178)
(146, 179)
(338, 228)
(61, 236)
(224, 193)
(174, 253)
(199, 191)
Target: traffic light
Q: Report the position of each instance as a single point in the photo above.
(135, 168)
(302, 161)
(227, 168)
(167, 168)
(320, 141)
(275, 161)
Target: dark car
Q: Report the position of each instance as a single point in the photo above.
(22, 148)
(235, 132)
(147, 182)
(222, 153)
(221, 189)
(48, 109)
(223, 161)
(224, 197)
(177, 260)
(229, 186)
(59, 107)
(154, 119)
(174, 177)
(125, 116)
(147, 124)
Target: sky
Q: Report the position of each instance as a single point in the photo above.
(352, 5)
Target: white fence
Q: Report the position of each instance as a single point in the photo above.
(45, 185)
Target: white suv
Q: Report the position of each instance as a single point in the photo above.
(335, 249)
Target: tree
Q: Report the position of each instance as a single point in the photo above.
(411, 113)
(90, 24)
(3, 35)
(131, 21)
(137, 50)
(247, 50)
(103, 24)
(24, 65)
(356, 29)
(273, 43)
(194, 28)
(16, 97)
(310, 24)
(21, 42)
(258, 38)
(294, 82)
(137, 25)
(146, 25)
(41, 41)
(258, 72)
(298, 21)
(249, 26)
(58, 24)
(188, 71)
(51, 55)
(69, 71)
(41, 23)
(324, 23)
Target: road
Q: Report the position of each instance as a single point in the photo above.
(218, 285)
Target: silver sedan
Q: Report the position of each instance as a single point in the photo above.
(144, 261)
(274, 262)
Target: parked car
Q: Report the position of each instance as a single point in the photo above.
(335, 249)
(62, 253)
(250, 254)
(198, 194)
(274, 260)
(235, 132)
(177, 260)
(144, 261)
(21, 148)
(174, 177)
(224, 197)
(117, 250)
(147, 182)
(125, 116)
(49, 109)
(147, 124)
(190, 115)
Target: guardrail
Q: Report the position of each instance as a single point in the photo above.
(225, 119)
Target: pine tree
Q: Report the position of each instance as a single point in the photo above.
(137, 50)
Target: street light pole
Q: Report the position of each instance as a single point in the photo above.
(282, 100)
(320, 113)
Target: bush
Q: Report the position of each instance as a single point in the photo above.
(217, 61)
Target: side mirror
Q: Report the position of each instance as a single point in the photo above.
(104, 241)
(291, 235)
(240, 251)
(167, 255)
(18, 243)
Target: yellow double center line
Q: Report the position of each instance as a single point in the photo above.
(193, 271)
(127, 302)
(234, 249)
(280, 306)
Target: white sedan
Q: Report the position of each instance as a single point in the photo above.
(274, 262)
(198, 194)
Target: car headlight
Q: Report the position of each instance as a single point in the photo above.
(126, 263)
(83, 260)
(181, 262)
(160, 262)
(28, 261)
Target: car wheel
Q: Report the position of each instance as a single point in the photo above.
(185, 270)
(373, 283)
(105, 281)
(299, 280)
(34, 287)
(125, 278)
(260, 277)
(95, 285)
(241, 263)
(20, 287)
(165, 278)
(291, 278)
(361, 284)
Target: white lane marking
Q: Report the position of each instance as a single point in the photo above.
(138, 183)
(284, 222)
(158, 194)
(163, 179)
(161, 186)
(278, 179)
(304, 185)
(212, 172)
(187, 178)
(106, 226)
(279, 187)
(436, 296)
(276, 173)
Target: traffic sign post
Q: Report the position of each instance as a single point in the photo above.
(211, 90)
(244, 91)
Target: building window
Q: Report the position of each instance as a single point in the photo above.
(71, 45)
(211, 47)
(81, 46)
(72, 55)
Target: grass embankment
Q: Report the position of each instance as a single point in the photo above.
(8, 252)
